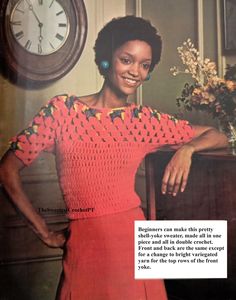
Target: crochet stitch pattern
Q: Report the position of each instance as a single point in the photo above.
(98, 150)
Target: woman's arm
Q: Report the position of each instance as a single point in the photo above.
(10, 167)
(177, 171)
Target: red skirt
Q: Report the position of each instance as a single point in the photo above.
(98, 261)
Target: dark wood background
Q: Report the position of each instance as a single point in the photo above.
(210, 195)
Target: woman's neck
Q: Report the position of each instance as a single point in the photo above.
(109, 97)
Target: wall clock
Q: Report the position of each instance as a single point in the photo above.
(42, 39)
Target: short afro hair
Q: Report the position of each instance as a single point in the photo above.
(121, 30)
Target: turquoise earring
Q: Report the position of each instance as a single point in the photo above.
(104, 64)
(148, 77)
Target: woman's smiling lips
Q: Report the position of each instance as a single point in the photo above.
(131, 81)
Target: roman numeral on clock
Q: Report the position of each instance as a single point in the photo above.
(19, 35)
(51, 45)
(40, 2)
(59, 37)
(51, 3)
(20, 10)
(17, 23)
(28, 45)
(40, 49)
(59, 13)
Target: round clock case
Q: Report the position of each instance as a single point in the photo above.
(42, 39)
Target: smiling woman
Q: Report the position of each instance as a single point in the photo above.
(130, 66)
(99, 141)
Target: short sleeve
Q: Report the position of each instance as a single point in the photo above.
(165, 129)
(42, 132)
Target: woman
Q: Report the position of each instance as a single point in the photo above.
(99, 141)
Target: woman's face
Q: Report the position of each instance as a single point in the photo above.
(130, 66)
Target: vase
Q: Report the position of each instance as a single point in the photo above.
(229, 128)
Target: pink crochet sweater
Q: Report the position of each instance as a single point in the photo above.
(98, 150)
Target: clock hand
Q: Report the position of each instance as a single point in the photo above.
(40, 32)
(32, 9)
(40, 39)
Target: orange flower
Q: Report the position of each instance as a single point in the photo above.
(197, 91)
(208, 97)
(231, 85)
(202, 96)
(215, 81)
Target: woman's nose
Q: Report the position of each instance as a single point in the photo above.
(134, 69)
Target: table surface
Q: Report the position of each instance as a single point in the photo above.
(224, 153)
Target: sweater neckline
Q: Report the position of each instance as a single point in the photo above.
(129, 105)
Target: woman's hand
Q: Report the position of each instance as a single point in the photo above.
(177, 171)
(56, 239)
(10, 167)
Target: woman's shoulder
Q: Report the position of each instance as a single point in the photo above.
(152, 113)
(61, 99)
(69, 100)
(147, 110)
(63, 102)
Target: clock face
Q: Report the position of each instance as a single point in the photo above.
(41, 40)
(39, 26)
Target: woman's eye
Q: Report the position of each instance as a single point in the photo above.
(146, 66)
(125, 60)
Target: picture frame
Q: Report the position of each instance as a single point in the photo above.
(229, 26)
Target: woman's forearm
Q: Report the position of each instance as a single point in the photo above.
(207, 139)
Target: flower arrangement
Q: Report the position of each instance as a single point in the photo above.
(207, 92)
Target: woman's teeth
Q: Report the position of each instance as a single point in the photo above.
(130, 81)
